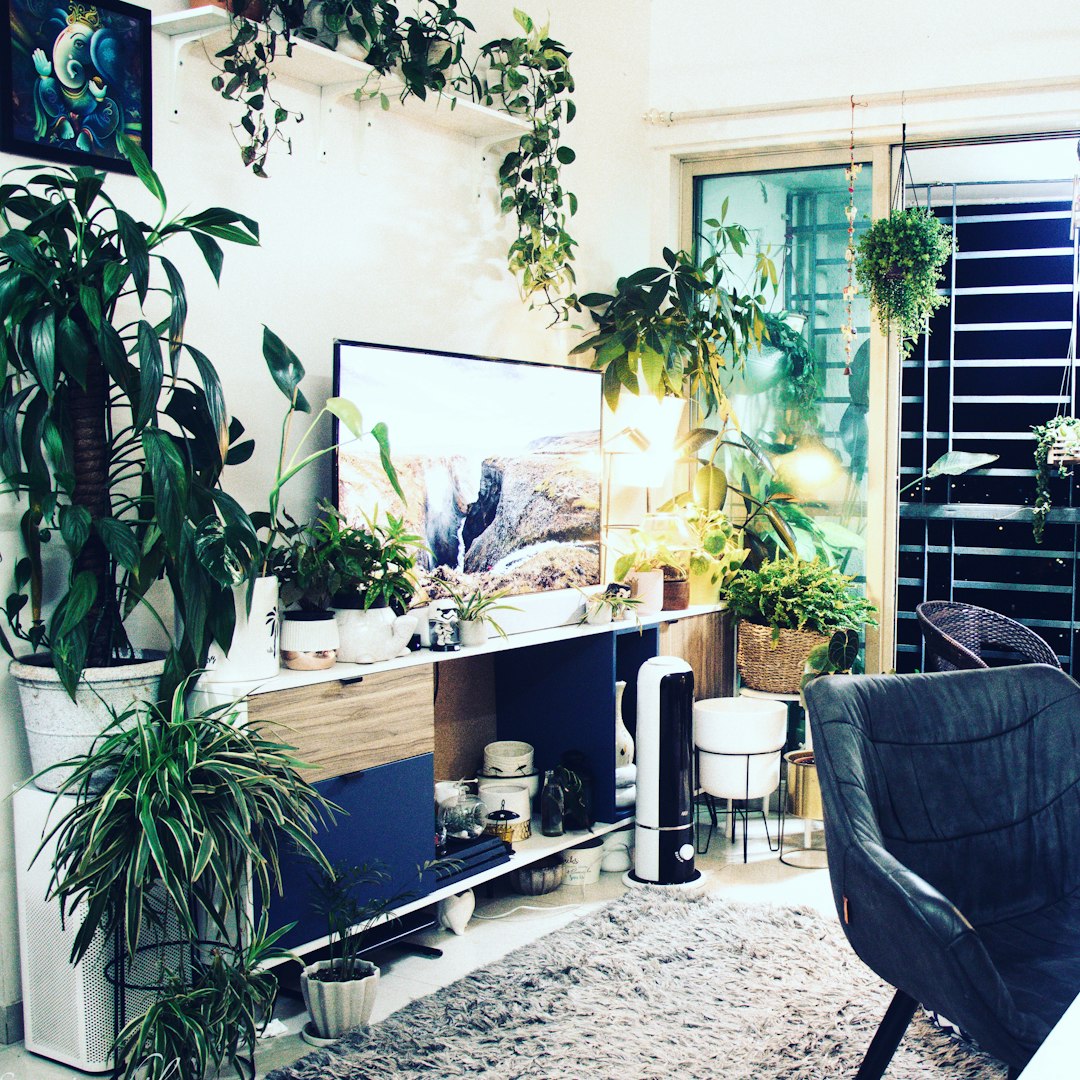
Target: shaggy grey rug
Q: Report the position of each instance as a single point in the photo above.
(655, 986)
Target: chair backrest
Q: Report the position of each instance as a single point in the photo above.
(963, 636)
(970, 779)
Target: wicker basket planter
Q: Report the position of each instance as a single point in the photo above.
(775, 668)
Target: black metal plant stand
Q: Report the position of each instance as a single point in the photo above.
(739, 812)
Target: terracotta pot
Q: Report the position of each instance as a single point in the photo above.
(676, 594)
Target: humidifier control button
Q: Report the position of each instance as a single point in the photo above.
(685, 853)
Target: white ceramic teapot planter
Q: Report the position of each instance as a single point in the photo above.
(366, 637)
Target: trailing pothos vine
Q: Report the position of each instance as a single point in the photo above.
(1063, 432)
(531, 78)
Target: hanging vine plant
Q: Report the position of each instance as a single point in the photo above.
(1056, 442)
(530, 77)
(899, 263)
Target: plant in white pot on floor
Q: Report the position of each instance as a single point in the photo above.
(114, 437)
(340, 991)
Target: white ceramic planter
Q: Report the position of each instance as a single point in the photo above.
(253, 654)
(473, 632)
(597, 613)
(338, 1007)
(366, 637)
(58, 728)
(739, 739)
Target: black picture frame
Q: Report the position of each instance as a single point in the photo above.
(105, 49)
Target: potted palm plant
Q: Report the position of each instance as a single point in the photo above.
(115, 435)
(340, 991)
(186, 826)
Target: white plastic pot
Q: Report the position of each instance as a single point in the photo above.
(253, 653)
(58, 728)
(473, 632)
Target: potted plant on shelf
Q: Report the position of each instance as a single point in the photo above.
(186, 826)
(115, 436)
(900, 263)
(784, 610)
(609, 605)
(473, 610)
(340, 991)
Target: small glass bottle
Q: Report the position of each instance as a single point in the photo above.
(552, 803)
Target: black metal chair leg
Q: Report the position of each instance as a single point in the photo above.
(887, 1037)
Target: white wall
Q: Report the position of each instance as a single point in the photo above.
(396, 239)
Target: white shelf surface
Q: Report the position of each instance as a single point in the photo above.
(327, 68)
(292, 680)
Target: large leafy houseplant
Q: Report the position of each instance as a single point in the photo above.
(899, 263)
(675, 329)
(1060, 436)
(192, 810)
(113, 428)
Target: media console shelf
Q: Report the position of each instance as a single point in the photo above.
(369, 731)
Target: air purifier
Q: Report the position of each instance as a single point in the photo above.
(69, 1011)
(664, 833)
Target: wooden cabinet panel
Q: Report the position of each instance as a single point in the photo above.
(345, 727)
(706, 643)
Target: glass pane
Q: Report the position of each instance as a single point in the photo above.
(807, 412)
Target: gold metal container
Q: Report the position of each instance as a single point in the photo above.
(804, 791)
(508, 826)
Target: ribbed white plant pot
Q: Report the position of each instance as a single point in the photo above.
(58, 728)
(309, 640)
(338, 1007)
(473, 632)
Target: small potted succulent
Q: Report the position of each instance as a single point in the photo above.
(784, 610)
(899, 264)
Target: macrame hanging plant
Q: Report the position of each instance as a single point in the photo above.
(900, 262)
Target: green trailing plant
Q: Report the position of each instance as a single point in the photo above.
(899, 264)
(477, 605)
(799, 594)
(1062, 433)
(113, 428)
(177, 812)
(260, 31)
(530, 78)
(718, 551)
(673, 330)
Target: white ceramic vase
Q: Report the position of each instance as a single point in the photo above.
(338, 1007)
(624, 741)
(366, 637)
(58, 728)
(253, 653)
(647, 587)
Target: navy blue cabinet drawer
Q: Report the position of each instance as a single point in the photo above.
(389, 821)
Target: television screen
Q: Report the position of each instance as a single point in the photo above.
(499, 461)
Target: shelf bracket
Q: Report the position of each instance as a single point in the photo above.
(177, 44)
(491, 150)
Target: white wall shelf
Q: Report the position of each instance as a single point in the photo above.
(337, 75)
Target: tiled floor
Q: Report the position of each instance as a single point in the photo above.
(506, 922)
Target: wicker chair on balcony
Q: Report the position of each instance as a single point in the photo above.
(962, 636)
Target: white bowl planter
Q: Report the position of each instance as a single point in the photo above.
(739, 742)
(58, 728)
(338, 1007)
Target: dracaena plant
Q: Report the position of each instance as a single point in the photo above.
(113, 428)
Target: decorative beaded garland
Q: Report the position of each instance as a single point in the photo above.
(852, 287)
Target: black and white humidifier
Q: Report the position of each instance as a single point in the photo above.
(664, 834)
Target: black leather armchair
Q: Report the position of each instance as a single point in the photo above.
(952, 820)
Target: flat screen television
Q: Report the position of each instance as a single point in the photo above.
(499, 461)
